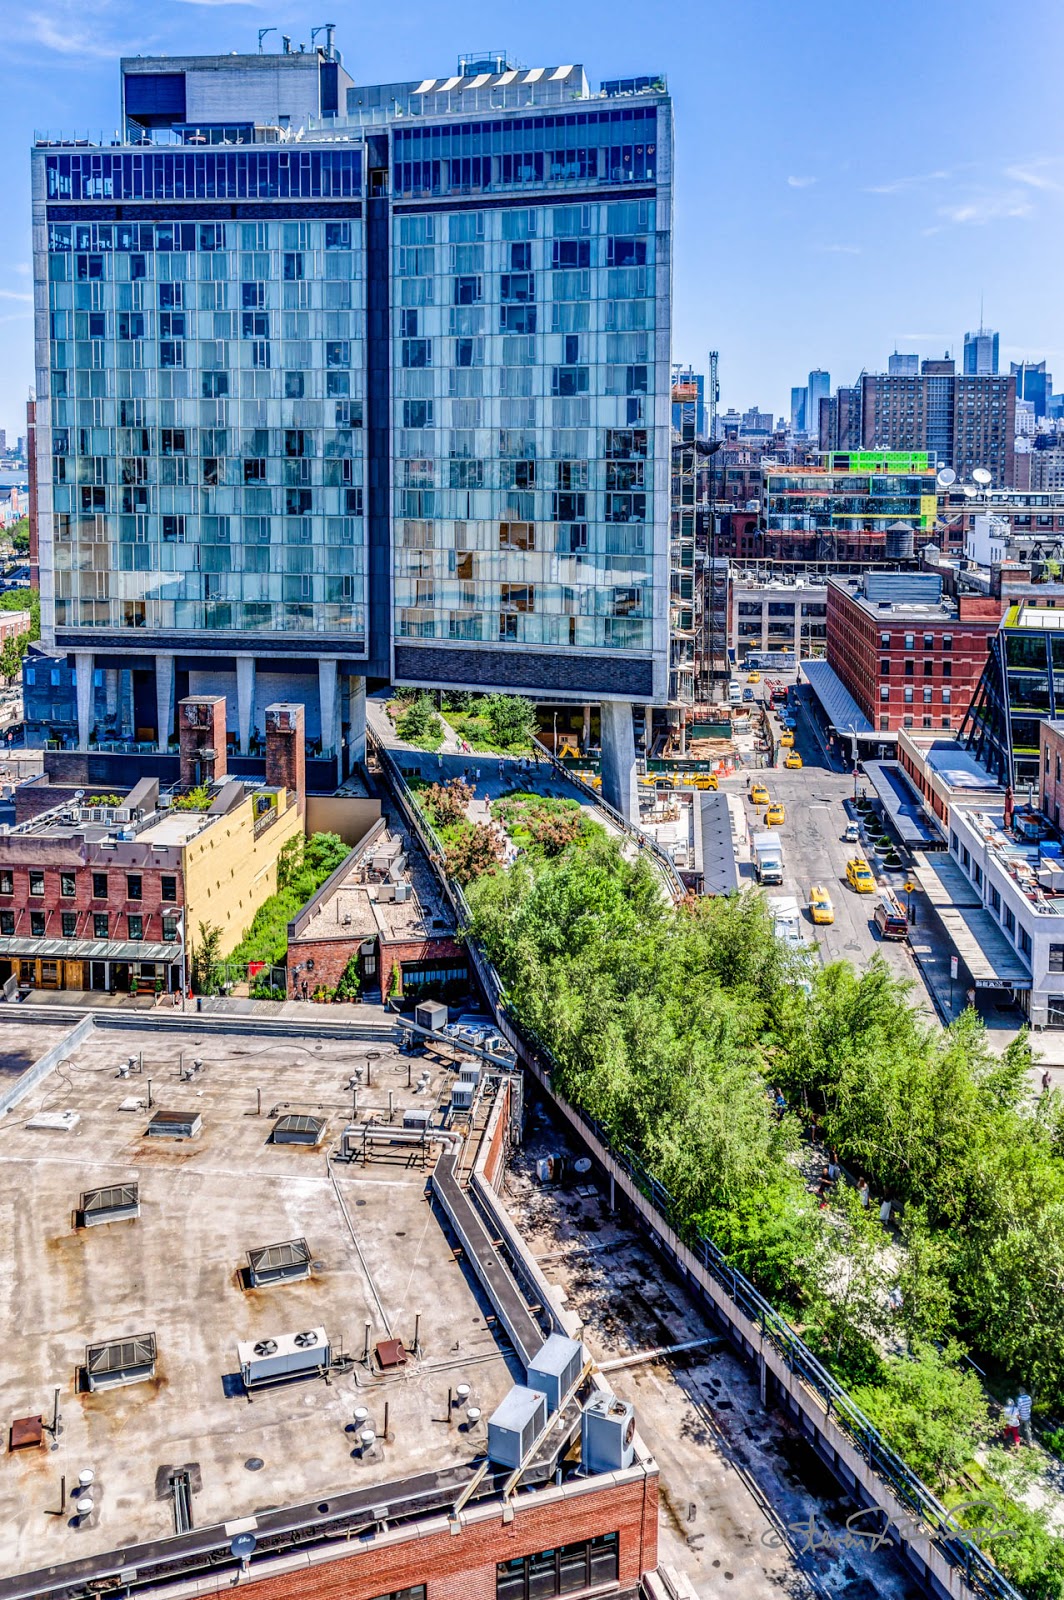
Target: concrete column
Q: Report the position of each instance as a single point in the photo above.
(164, 700)
(618, 758)
(586, 733)
(83, 672)
(356, 721)
(329, 707)
(111, 696)
(245, 700)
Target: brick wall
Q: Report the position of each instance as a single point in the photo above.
(330, 957)
(1052, 764)
(393, 952)
(462, 1566)
(286, 751)
(201, 726)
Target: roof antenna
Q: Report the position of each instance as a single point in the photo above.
(262, 34)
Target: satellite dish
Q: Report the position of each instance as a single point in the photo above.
(982, 477)
(969, 492)
(243, 1546)
(945, 477)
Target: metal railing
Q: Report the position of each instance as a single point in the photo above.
(980, 1573)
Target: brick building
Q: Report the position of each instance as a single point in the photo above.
(909, 657)
(101, 896)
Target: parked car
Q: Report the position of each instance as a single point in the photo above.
(889, 917)
(852, 834)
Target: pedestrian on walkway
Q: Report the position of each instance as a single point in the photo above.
(305, 987)
(1010, 1418)
(814, 1130)
(1023, 1407)
(1047, 1082)
(970, 997)
(864, 1194)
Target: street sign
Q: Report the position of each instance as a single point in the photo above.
(909, 887)
(953, 968)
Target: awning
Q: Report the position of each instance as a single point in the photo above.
(720, 871)
(991, 960)
(901, 803)
(839, 705)
(90, 949)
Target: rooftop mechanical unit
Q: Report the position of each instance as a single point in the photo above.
(462, 1094)
(295, 1128)
(174, 1125)
(515, 1425)
(117, 1362)
(607, 1434)
(431, 1014)
(469, 1072)
(419, 1117)
(279, 1263)
(111, 1204)
(556, 1368)
(285, 1355)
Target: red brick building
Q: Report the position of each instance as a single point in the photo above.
(909, 657)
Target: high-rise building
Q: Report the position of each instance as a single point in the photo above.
(358, 382)
(1033, 383)
(901, 365)
(687, 385)
(963, 421)
(799, 404)
(981, 353)
(819, 388)
(840, 420)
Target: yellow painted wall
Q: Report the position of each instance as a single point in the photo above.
(228, 873)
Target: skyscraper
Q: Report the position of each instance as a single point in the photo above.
(799, 403)
(819, 388)
(686, 385)
(980, 353)
(1033, 383)
(901, 365)
(358, 382)
(963, 421)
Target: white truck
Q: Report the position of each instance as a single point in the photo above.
(787, 920)
(767, 852)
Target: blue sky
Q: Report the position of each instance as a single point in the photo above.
(849, 176)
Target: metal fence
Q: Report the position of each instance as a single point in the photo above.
(979, 1572)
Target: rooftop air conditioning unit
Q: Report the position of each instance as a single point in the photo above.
(556, 1369)
(385, 892)
(285, 1355)
(462, 1096)
(431, 1014)
(403, 892)
(607, 1434)
(515, 1425)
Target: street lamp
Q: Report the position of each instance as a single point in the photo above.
(852, 731)
(181, 942)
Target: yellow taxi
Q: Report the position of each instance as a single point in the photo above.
(820, 906)
(787, 739)
(859, 875)
(759, 794)
(753, 677)
(705, 780)
(794, 760)
(774, 816)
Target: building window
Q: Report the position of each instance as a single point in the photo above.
(884, 691)
(978, 875)
(1024, 942)
(1009, 919)
(908, 691)
(929, 669)
(884, 641)
(910, 641)
(995, 905)
(1056, 958)
(99, 925)
(69, 922)
(36, 883)
(37, 924)
(170, 927)
(7, 923)
(1055, 1014)
(136, 927)
(910, 669)
(134, 886)
(7, 883)
(167, 887)
(929, 641)
(947, 696)
(947, 669)
(884, 724)
(68, 887)
(566, 1570)
(884, 669)
(99, 886)
(966, 860)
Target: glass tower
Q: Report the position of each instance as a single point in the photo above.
(369, 381)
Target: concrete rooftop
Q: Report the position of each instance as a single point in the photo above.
(379, 1257)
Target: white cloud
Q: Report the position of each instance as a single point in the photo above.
(219, 2)
(839, 249)
(60, 33)
(22, 268)
(10, 294)
(991, 206)
(1031, 174)
(899, 185)
(801, 183)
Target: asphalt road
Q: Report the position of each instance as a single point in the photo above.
(815, 801)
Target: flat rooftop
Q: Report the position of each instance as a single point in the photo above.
(177, 1271)
(356, 909)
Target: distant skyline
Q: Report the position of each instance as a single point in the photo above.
(845, 185)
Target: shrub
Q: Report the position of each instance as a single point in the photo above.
(473, 854)
(511, 718)
(419, 721)
(447, 802)
(931, 1409)
(197, 799)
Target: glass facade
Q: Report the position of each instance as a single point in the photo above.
(393, 385)
(206, 425)
(523, 464)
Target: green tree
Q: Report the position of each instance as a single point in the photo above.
(19, 534)
(24, 600)
(419, 723)
(11, 657)
(473, 852)
(931, 1409)
(511, 718)
(206, 968)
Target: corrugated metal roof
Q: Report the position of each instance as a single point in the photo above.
(90, 949)
(840, 707)
(901, 802)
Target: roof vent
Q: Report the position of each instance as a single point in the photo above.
(295, 1128)
(279, 1263)
(174, 1125)
(113, 1203)
(117, 1362)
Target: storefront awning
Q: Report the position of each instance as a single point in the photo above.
(976, 936)
(901, 803)
(90, 950)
